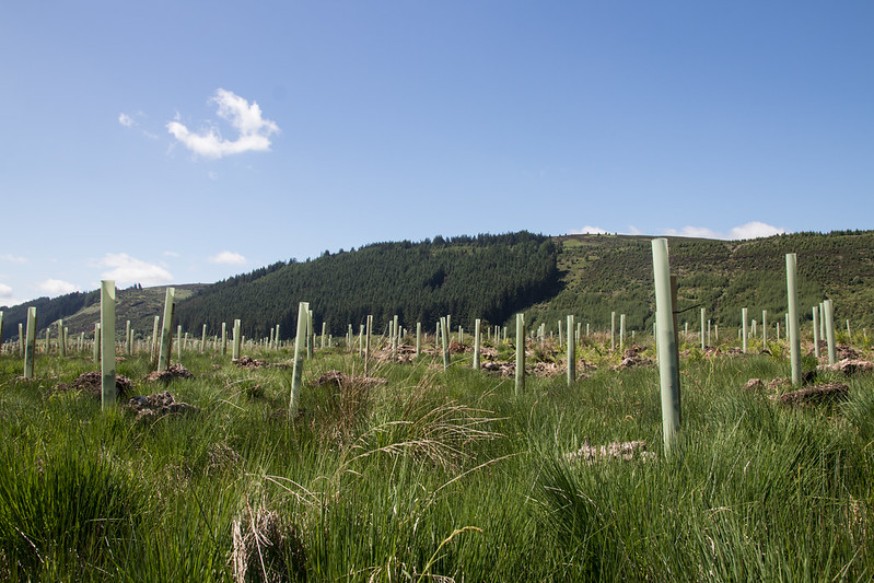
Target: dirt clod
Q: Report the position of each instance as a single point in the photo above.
(174, 371)
(816, 395)
(92, 383)
(158, 405)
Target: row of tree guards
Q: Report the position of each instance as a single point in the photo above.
(665, 331)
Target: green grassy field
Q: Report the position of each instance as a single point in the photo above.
(433, 476)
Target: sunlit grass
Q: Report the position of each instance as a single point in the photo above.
(432, 475)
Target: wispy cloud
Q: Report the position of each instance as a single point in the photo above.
(130, 121)
(173, 254)
(750, 230)
(127, 270)
(9, 258)
(126, 120)
(5, 292)
(57, 287)
(253, 129)
(588, 230)
(228, 258)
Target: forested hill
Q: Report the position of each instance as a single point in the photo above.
(494, 276)
(487, 276)
(604, 273)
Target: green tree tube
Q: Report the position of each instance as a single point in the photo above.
(324, 334)
(48, 340)
(153, 353)
(393, 331)
(703, 337)
(224, 345)
(127, 346)
(520, 354)
(303, 311)
(107, 353)
(792, 330)
(621, 332)
(367, 337)
(311, 340)
(829, 310)
(743, 317)
(30, 343)
(612, 330)
(571, 352)
(62, 346)
(418, 339)
(816, 332)
(666, 345)
(179, 342)
(20, 340)
(96, 346)
(167, 329)
(444, 340)
(822, 334)
(765, 329)
(1, 331)
(203, 339)
(476, 343)
(237, 340)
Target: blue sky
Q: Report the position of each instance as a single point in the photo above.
(173, 142)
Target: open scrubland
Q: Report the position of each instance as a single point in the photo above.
(413, 473)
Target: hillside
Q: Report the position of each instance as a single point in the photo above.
(494, 276)
(80, 310)
(488, 276)
(604, 273)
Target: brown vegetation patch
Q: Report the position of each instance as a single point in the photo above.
(632, 357)
(342, 380)
(158, 405)
(266, 549)
(754, 384)
(502, 368)
(778, 383)
(92, 384)
(819, 394)
(249, 362)
(846, 352)
(174, 371)
(850, 366)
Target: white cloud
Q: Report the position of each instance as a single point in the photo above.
(5, 291)
(228, 258)
(689, 231)
(253, 130)
(754, 230)
(588, 230)
(127, 270)
(750, 230)
(57, 287)
(126, 120)
(9, 258)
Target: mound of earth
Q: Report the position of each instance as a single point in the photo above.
(92, 383)
(174, 371)
(817, 395)
(850, 366)
(158, 405)
(342, 380)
